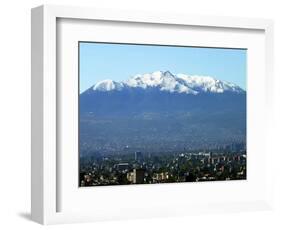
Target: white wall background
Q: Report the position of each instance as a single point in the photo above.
(15, 112)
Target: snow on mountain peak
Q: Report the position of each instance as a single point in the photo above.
(166, 81)
(108, 85)
(209, 84)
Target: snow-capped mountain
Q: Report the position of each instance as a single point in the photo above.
(164, 110)
(173, 83)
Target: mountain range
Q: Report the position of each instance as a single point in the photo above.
(166, 81)
(161, 111)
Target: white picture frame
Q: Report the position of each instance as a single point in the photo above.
(45, 167)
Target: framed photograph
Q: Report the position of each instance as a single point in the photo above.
(141, 114)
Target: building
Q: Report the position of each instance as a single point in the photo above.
(130, 177)
(138, 176)
(206, 154)
(138, 157)
(160, 177)
(123, 166)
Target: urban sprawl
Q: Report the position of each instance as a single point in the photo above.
(148, 168)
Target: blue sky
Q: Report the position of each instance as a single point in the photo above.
(99, 61)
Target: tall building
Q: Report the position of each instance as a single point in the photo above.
(138, 176)
(138, 157)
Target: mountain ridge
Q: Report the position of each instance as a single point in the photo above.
(166, 81)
